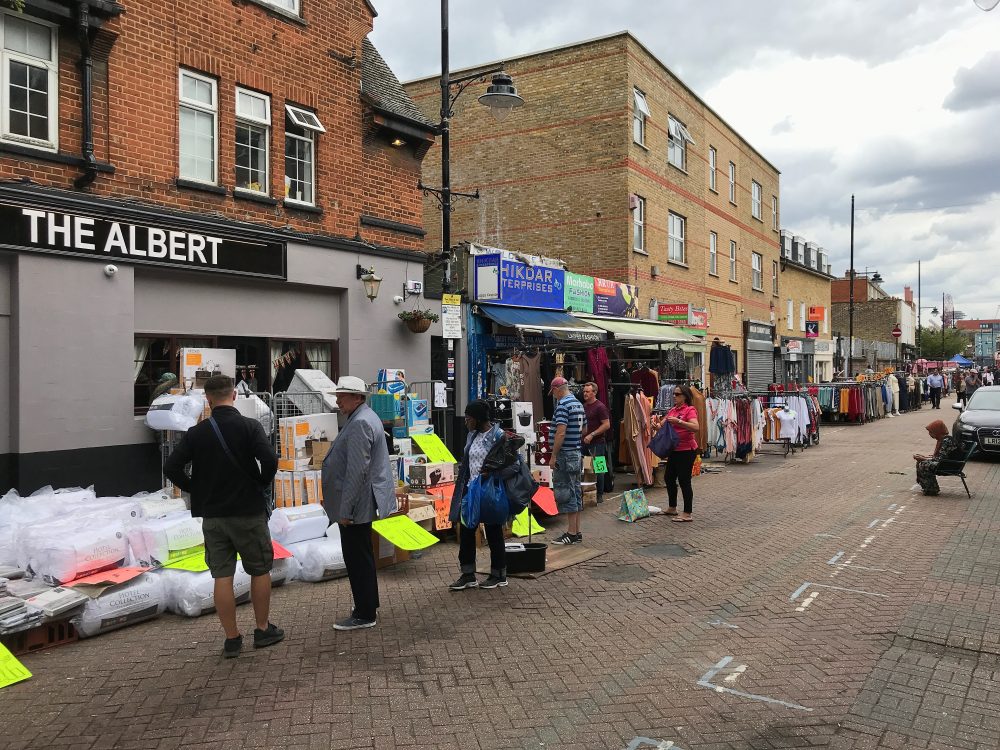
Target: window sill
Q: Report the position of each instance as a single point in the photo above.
(308, 208)
(643, 146)
(275, 11)
(202, 186)
(732, 203)
(757, 218)
(637, 251)
(734, 281)
(715, 275)
(679, 169)
(756, 289)
(680, 263)
(43, 154)
(252, 197)
(713, 190)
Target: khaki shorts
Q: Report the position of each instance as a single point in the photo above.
(246, 536)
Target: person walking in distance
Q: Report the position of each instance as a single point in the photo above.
(567, 461)
(227, 492)
(684, 417)
(936, 383)
(358, 488)
(960, 386)
(972, 383)
(595, 436)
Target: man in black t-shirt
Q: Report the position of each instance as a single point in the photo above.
(595, 437)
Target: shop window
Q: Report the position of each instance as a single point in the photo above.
(713, 253)
(289, 355)
(292, 6)
(253, 139)
(29, 82)
(156, 363)
(199, 112)
(757, 261)
(639, 114)
(774, 278)
(676, 238)
(301, 127)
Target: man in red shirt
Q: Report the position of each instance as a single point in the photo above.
(595, 438)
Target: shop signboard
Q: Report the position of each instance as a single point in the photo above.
(812, 329)
(579, 293)
(517, 284)
(683, 314)
(169, 243)
(816, 312)
(792, 346)
(760, 331)
(615, 299)
(697, 317)
(823, 347)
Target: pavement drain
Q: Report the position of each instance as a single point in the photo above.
(621, 573)
(663, 550)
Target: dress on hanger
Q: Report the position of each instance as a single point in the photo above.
(600, 370)
(531, 387)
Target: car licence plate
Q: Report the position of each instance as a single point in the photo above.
(991, 441)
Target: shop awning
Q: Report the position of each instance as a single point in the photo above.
(550, 323)
(625, 331)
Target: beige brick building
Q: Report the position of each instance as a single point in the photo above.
(618, 168)
(805, 298)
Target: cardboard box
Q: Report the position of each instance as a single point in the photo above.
(589, 494)
(317, 450)
(404, 446)
(290, 489)
(386, 553)
(417, 412)
(542, 474)
(421, 508)
(313, 481)
(293, 464)
(296, 433)
(424, 476)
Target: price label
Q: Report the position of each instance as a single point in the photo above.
(600, 465)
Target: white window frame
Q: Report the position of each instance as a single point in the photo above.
(304, 118)
(732, 260)
(640, 111)
(802, 316)
(826, 321)
(790, 317)
(675, 238)
(713, 168)
(309, 121)
(713, 254)
(677, 139)
(246, 119)
(51, 67)
(757, 264)
(295, 10)
(774, 212)
(213, 110)
(732, 182)
(639, 225)
(774, 278)
(756, 197)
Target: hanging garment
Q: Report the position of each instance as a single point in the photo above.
(721, 360)
(676, 360)
(514, 379)
(600, 370)
(531, 387)
(665, 401)
(648, 379)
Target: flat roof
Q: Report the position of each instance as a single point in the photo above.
(626, 34)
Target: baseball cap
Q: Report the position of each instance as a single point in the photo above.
(557, 383)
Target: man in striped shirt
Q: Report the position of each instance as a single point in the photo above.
(567, 462)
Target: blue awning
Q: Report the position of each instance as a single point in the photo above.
(549, 323)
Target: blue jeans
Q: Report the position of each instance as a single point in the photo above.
(566, 481)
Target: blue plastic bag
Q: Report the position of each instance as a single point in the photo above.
(493, 505)
(472, 503)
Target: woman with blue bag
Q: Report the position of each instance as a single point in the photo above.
(490, 459)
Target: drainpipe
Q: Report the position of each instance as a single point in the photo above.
(86, 65)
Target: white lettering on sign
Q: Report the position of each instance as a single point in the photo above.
(128, 240)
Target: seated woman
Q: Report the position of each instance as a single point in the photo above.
(946, 448)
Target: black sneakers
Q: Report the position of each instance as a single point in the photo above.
(493, 582)
(232, 647)
(568, 538)
(354, 623)
(465, 581)
(263, 638)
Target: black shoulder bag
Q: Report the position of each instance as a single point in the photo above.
(265, 490)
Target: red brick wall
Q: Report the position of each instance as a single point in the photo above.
(238, 43)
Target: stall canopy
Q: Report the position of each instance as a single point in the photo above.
(549, 323)
(960, 360)
(641, 332)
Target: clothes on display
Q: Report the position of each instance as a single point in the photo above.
(648, 379)
(636, 431)
(856, 403)
(721, 359)
(600, 371)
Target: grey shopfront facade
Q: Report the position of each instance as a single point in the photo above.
(86, 283)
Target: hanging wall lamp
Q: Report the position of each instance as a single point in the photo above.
(370, 280)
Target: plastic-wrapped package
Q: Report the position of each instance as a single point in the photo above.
(140, 599)
(321, 559)
(252, 406)
(157, 541)
(291, 525)
(193, 594)
(285, 571)
(17, 513)
(64, 550)
(179, 413)
(159, 504)
(125, 509)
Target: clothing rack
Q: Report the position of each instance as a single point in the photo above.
(769, 400)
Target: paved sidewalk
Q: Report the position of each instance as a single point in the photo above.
(815, 602)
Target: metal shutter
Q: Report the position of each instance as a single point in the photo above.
(760, 368)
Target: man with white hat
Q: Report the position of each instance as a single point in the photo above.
(358, 488)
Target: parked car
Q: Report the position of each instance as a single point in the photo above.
(979, 421)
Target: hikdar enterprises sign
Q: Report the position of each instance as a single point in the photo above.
(39, 230)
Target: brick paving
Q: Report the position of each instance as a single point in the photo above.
(904, 654)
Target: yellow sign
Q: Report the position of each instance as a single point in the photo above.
(436, 451)
(451, 299)
(194, 563)
(525, 523)
(404, 533)
(11, 670)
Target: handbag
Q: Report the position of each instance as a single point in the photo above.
(265, 490)
(634, 506)
(664, 441)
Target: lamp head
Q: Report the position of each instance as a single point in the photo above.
(501, 97)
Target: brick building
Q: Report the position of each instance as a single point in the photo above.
(179, 174)
(615, 166)
(876, 314)
(803, 313)
(985, 335)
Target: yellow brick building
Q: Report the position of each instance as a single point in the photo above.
(805, 296)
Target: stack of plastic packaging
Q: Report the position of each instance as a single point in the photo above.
(18, 513)
(140, 599)
(292, 525)
(320, 559)
(180, 413)
(193, 594)
(67, 548)
(158, 541)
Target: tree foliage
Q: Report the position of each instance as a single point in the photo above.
(930, 343)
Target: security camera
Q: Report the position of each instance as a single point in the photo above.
(110, 270)
(398, 299)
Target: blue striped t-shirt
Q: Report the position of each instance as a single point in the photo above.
(569, 411)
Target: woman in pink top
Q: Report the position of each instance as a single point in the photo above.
(684, 418)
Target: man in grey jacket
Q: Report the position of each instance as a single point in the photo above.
(358, 488)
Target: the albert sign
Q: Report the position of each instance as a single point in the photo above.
(41, 230)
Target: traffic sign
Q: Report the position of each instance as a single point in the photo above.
(897, 331)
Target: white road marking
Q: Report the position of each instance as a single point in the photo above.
(705, 682)
(874, 522)
(798, 592)
(836, 557)
(736, 673)
(807, 601)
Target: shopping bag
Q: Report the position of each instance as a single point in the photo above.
(493, 505)
(634, 506)
(664, 441)
(471, 503)
(696, 468)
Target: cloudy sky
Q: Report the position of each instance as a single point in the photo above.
(896, 101)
